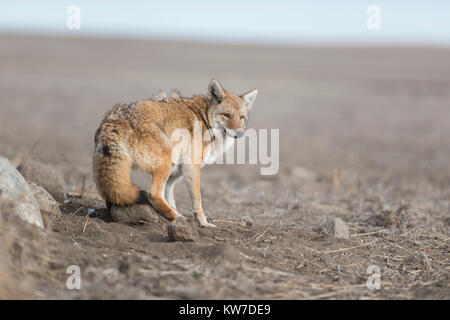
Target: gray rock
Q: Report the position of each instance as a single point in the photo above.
(132, 214)
(13, 187)
(180, 230)
(334, 227)
(246, 221)
(45, 201)
(46, 177)
(136, 213)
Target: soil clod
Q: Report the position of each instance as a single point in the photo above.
(180, 230)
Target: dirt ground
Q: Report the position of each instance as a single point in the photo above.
(364, 136)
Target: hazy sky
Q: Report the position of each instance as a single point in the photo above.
(318, 21)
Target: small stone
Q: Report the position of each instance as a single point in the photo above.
(44, 176)
(14, 188)
(334, 227)
(246, 221)
(180, 230)
(45, 201)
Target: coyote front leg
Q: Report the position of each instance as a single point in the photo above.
(170, 186)
(191, 173)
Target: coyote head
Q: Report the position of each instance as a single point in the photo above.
(227, 111)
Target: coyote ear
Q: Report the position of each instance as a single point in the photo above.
(249, 98)
(216, 91)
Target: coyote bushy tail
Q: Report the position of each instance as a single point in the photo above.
(112, 166)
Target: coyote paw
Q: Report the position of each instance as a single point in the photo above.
(207, 224)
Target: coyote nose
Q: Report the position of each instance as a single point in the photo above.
(239, 133)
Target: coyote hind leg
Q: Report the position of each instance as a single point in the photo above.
(159, 179)
(153, 156)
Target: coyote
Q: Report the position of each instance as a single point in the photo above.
(138, 135)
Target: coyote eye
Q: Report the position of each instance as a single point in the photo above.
(242, 117)
(226, 115)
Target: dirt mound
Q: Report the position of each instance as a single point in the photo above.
(120, 260)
